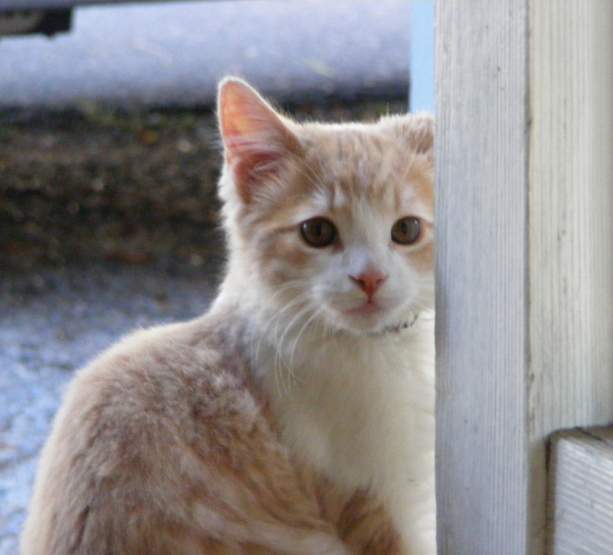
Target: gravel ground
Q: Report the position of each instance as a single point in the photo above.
(55, 320)
(108, 221)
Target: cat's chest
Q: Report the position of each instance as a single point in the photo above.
(356, 416)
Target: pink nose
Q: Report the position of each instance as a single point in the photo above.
(369, 281)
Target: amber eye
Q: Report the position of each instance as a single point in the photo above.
(318, 232)
(406, 231)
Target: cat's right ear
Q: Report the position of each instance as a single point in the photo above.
(257, 141)
(417, 130)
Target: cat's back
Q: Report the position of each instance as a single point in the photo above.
(138, 429)
(162, 382)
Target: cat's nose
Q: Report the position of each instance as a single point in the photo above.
(369, 281)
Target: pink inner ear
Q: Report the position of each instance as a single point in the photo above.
(250, 167)
(255, 138)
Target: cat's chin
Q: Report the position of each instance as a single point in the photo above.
(364, 320)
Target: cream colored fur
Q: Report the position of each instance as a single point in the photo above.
(288, 419)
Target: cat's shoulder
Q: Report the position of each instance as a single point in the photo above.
(172, 372)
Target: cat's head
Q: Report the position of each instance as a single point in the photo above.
(328, 222)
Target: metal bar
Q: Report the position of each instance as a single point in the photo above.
(23, 5)
(46, 22)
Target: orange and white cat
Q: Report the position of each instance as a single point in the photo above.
(296, 416)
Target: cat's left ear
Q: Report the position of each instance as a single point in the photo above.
(257, 141)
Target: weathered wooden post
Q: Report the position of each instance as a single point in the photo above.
(524, 262)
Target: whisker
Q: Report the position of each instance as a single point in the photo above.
(274, 321)
(315, 314)
(280, 348)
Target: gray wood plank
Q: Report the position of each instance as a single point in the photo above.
(482, 220)
(571, 223)
(581, 485)
(524, 265)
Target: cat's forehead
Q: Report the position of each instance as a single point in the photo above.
(350, 150)
(348, 163)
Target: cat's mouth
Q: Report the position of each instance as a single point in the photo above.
(367, 308)
(367, 315)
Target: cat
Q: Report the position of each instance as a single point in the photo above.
(296, 416)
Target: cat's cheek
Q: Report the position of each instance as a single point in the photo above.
(282, 259)
(422, 259)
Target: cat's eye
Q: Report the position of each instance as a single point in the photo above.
(406, 231)
(318, 232)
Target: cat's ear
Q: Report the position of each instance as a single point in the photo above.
(257, 141)
(417, 130)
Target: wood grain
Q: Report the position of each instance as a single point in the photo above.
(571, 224)
(524, 260)
(581, 484)
(482, 219)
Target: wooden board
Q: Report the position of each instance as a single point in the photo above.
(581, 485)
(524, 259)
(571, 223)
(482, 165)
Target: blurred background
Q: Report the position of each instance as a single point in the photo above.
(109, 157)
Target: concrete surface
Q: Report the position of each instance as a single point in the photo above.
(174, 54)
(54, 321)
